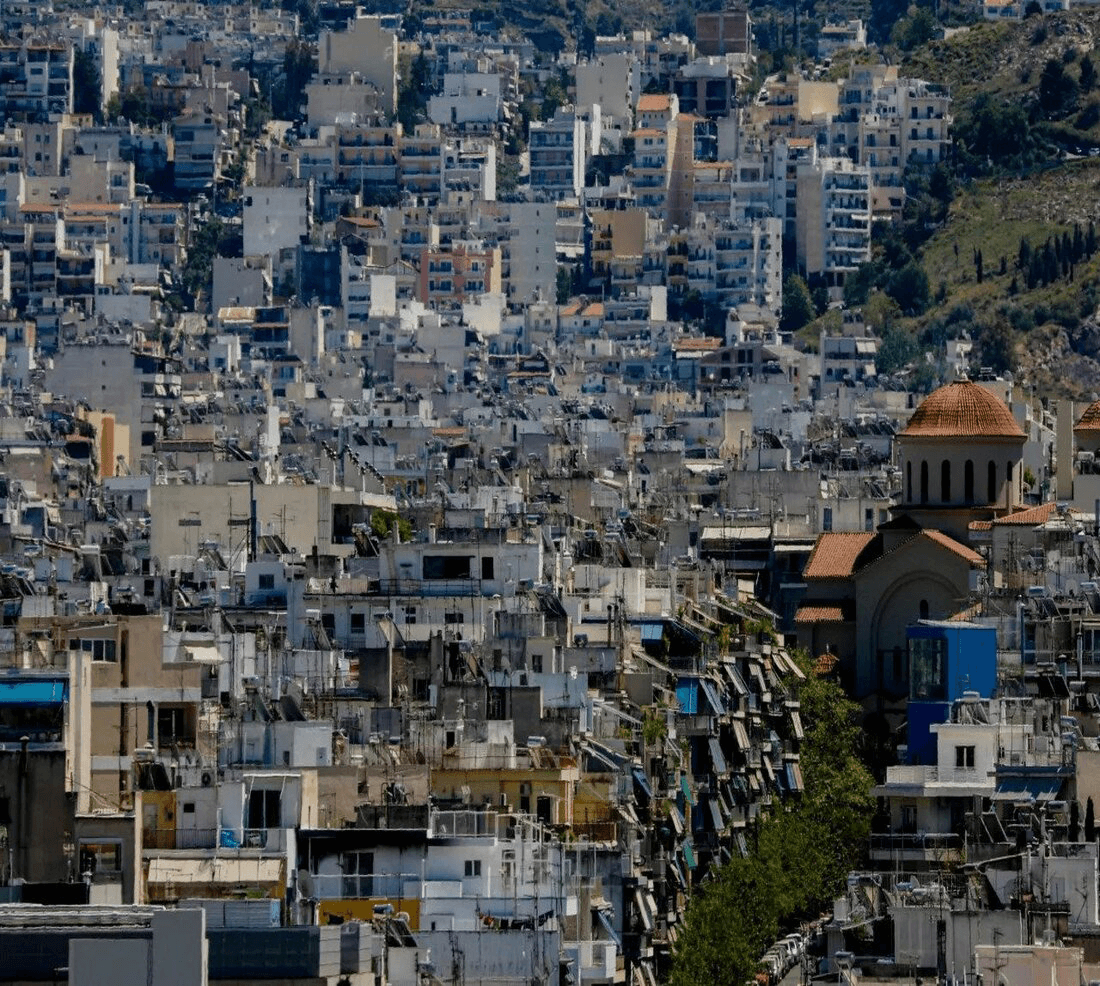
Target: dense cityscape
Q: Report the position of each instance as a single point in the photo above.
(498, 495)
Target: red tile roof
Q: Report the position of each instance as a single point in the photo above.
(1031, 517)
(1090, 420)
(944, 541)
(823, 613)
(962, 410)
(835, 554)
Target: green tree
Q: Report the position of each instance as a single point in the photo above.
(914, 30)
(1087, 75)
(802, 855)
(798, 305)
(909, 288)
(997, 345)
(896, 349)
(299, 64)
(86, 84)
(1090, 821)
(412, 96)
(1057, 90)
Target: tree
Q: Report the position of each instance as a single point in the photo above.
(299, 64)
(1057, 90)
(798, 305)
(412, 96)
(1087, 75)
(86, 84)
(997, 345)
(1074, 832)
(917, 28)
(896, 349)
(563, 285)
(1090, 822)
(909, 288)
(802, 855)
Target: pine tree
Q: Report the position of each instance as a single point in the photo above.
(1090, 822)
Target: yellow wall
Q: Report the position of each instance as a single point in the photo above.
(363, 910)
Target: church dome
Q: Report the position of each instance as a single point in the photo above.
(962, 409)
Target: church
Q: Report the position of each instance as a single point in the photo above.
(961, 465)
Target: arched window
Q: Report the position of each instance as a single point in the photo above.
(909, 482)
(924, 481)
(924, 609)
(991, 493)
(968, 481)
(945, 481)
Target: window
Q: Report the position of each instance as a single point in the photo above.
(908, 818)
(267, 581)
(473, 867)
(536, 663)
(968, 481)
(964, 757)
(945, 481)
(264, 810)
(453, 618)
(101, 650)
(410, 614)
(927, 669)
(100, 857)
(827, 519)
(924, 482)
(991, 482)
(446, 567)
(487, 568)
(358, 623)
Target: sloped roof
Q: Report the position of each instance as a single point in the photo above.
(825, 612)
(1090, 420)
(960, 549)
(1031, 517)
(835, 554)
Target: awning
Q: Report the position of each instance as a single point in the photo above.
(796, 725)
(686, 789)
(716, 757)
(713, 698)
(736, 681)
(46, 692)
(742, 845)
(1028, 789)
(740, 736)
(643, 910)
(604, 920)
(202, 653)
(794, 776)
(689, 855)
(642, 782)
(676, 818)
(716, 815)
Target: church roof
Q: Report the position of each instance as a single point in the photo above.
(1090, 420)
(962, 409)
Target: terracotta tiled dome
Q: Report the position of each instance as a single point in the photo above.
(962, 410)
(1090, 420)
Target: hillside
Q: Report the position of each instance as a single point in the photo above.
(1027, 112)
